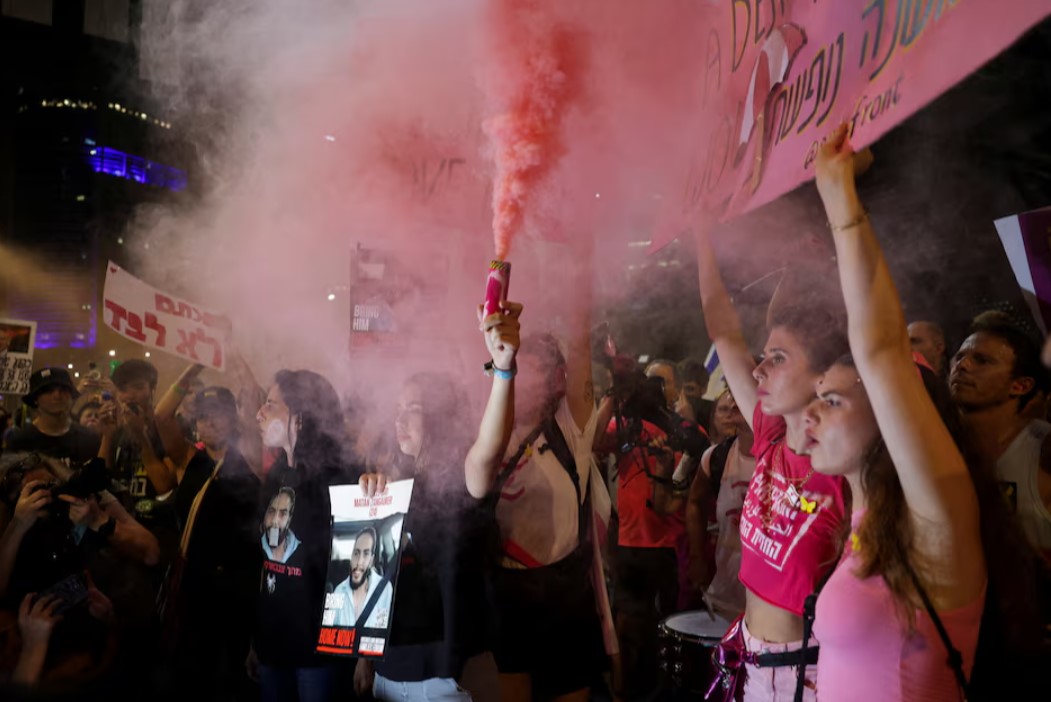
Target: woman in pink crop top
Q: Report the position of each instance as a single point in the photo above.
(916, 531)
(792, 517)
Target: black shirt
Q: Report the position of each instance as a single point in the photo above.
(440, 615)
(222, 559)
(76, 447)
(295, 567)
(131, 482)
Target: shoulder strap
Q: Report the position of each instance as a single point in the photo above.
(717, 463)
(556, 442)
(504, 475)
(955, 660)
(491, 500)
(809, 612)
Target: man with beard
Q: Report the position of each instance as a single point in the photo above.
(994, 378)
(360, 586)
(280, 542)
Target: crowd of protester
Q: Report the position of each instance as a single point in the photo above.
(860, 514)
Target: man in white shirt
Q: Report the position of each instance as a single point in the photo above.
(358, 588)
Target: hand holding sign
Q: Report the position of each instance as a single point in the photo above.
(837, 168)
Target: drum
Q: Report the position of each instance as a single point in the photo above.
(685, 642)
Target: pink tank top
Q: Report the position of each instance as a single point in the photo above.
(863, 640)
(790, 520)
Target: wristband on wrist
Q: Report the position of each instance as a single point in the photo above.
(492, 371)
(860, 219)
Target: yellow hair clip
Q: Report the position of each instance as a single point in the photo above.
(854, 543)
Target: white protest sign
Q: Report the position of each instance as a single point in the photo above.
(161, 321)
(17, 339)
(358, 565)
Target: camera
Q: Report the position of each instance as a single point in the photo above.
(89, 480)
(640, 399)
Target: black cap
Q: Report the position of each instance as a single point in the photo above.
(46, 378)
(217, 399)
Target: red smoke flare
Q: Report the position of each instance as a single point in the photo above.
(533, 83)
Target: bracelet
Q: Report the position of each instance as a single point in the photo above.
(491, 370)
(181, 390)
(861, 218)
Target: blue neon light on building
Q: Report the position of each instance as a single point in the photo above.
(103, 159)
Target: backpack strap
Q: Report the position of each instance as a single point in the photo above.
(809, 612)
(955, 659)
(717, 463)
(509, 468)
(556, 442)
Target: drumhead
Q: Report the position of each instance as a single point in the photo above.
(697, 624)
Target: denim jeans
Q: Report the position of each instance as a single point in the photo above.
(302, 684)
(432, 689)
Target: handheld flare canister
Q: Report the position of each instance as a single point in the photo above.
(496, 287)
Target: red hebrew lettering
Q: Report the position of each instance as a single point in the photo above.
(153, 323)
(163, 303)
(134, 329)
(119, 314)
(187, 344)
(188, 311)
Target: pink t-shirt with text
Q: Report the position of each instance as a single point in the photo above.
(787, 544)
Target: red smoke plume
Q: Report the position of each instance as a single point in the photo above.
(535, 78)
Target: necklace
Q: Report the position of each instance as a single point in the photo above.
(792, 495)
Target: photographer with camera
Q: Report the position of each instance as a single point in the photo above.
(643, 435)
(63, 531)
(132, 446)
(59, 522)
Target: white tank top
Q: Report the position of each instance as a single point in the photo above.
(1017, 471)
(726, 593)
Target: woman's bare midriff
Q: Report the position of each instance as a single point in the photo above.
(769, 622)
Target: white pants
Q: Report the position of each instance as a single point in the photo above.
(432, 689)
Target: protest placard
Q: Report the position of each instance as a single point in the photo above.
(17, 339)
(779, 77)
(363, 569)
(157, 320)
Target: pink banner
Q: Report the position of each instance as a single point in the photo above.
(780, 75)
